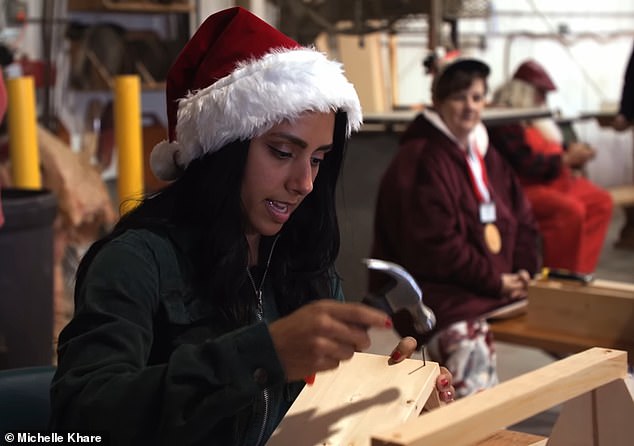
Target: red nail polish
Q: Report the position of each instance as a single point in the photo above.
(396, 355)
(444, 382)
(310, 380)
(388, 323)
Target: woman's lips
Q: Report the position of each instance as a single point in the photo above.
(280, 211)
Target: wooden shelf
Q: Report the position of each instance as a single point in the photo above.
(145, 87)
(129, 7)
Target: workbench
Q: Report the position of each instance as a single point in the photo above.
(564, 317)
(515, 331)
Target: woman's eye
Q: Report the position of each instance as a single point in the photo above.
(316, 161)
(280, 153)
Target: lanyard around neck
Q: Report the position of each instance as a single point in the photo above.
(478, 174)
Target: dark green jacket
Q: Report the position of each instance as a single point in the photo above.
(144, 359)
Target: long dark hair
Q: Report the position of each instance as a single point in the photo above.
(206, 201)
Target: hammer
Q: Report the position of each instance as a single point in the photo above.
(402, 299)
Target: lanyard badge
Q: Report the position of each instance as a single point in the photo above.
(487, 214)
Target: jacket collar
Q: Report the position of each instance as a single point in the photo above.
(478, 138)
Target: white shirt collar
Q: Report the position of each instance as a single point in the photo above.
(478, 136)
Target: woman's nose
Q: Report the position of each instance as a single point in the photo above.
(301, 178)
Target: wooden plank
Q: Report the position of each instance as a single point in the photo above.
(582, 310)
(130, 6)
(510, 438)
(622, 195)
(471, 419)
(490, 116)
(517, 331)
(364, 68)
(602, 417)
(362, 395)
(600, 285)
(613, 285)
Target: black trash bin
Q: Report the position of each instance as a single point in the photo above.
(26, 277)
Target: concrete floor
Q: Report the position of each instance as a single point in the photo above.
(367, 157)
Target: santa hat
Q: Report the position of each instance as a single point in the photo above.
(534, 74)
(235, 79)
(455, 61)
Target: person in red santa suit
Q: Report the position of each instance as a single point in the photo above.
(573, 213)
(198, 318)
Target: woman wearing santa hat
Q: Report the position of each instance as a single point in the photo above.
(197, 318)
(573, 213)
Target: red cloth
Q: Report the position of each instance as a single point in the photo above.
(573, 214)
(540, 144)
(220, 43)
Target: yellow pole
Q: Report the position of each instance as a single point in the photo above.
(128, 140)
(23, 148)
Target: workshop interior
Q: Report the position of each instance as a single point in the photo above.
(83, 97)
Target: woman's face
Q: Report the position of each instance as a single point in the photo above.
(461, 110)
(280, 170)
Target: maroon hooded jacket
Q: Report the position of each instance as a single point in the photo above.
(427, 220)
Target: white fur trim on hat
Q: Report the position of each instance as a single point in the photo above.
(164, 160)
(257, 95)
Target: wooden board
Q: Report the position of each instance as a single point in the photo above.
(622, 195)
(604, 310)
(475, 417)
(516, 331)
(361, 396)
(597, 418)
(510, 438)
(175, 6)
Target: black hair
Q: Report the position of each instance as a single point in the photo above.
(457, 76)
(206, 199)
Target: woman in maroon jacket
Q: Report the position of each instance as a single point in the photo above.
(450, 210)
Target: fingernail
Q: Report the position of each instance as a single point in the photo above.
(310, 380)
(395, 356)
(444, 382)
(446, 396)
(388, 323)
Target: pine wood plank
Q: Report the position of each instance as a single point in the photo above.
(517, 331)
(473, 418)
(622, 195)
(363, 395)
(602, 417)
(582, 310)
(510, 438)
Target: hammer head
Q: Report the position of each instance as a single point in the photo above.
(403, 300)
